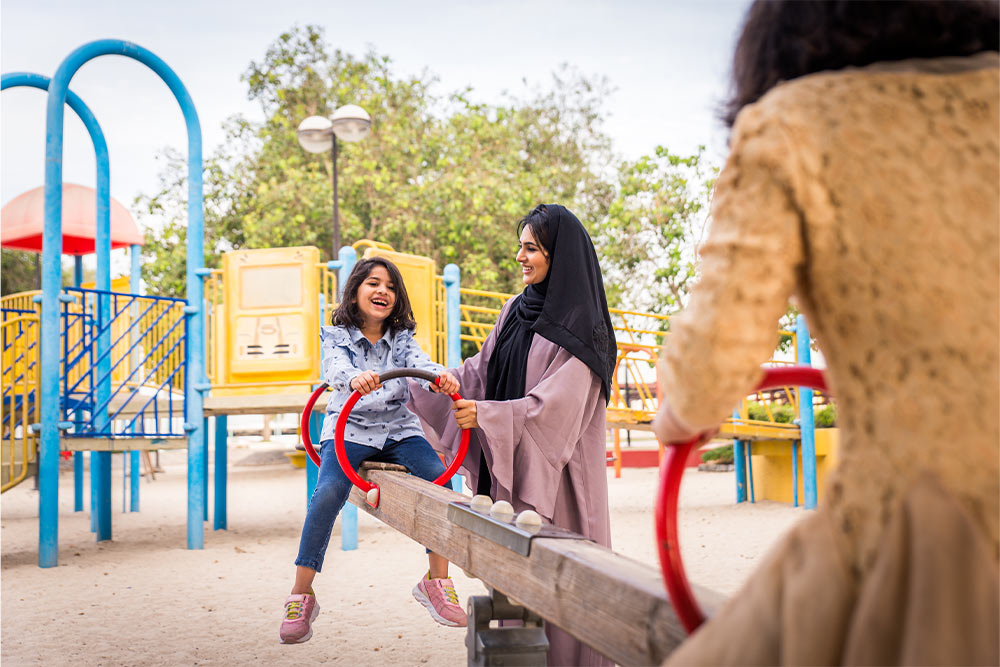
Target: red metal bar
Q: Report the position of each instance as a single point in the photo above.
(671, 473)
(338, 439)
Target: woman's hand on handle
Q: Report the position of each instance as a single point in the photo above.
(465, 413)
(448, 385)
(366, 383)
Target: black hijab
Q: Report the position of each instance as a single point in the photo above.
(568, 308)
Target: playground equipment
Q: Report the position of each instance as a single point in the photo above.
(101, 371)
(372, 490)
(264, 326)
(683, 600)
(52, 405)
(250, 338)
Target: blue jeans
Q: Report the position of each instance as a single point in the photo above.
(333, 487)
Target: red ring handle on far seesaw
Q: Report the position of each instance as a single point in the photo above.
(671, 472)
(372, 490)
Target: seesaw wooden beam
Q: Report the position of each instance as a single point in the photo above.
(612, 603)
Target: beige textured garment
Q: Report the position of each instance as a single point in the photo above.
(873, 195)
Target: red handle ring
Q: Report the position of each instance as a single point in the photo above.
(338, 438)
(671, 472)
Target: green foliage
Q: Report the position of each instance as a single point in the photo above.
(826, 417)
(648, 245)
(722, 454)
(782, 414)
(444, 177)
(17, 271)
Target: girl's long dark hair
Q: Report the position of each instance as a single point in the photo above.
(785, 39)
(348, 314)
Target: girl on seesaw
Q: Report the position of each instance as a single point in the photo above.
(372, 333)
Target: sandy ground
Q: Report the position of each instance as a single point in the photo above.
(144, 599)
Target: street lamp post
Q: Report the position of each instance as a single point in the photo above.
(317, 134)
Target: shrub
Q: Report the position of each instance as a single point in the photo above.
(783, 414)
(722, 454)
(757, 411)
(826, 417)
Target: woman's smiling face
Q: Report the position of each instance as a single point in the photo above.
(533, 259)
(376, 296)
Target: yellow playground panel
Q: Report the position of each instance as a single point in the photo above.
(265, 308)
(264, 321)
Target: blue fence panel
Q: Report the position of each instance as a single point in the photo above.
(144, 366)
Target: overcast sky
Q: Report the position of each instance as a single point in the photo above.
(667, 60)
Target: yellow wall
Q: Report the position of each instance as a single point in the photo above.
(271, 311)
(772, 466)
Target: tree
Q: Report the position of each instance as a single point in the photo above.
(445, 177)
(17, 269)
(648, 244)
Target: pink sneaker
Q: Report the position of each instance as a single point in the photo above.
(441, 600)
(300, 612)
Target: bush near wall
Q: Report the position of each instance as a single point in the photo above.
(825, 417)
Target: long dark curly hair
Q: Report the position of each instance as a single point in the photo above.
(348, 313)
(785, 39)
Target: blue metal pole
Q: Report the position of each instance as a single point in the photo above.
(134, 476)
(740, 470)
(807, 424)
(77, 481)
(453, 310)
(349, 515)
(102, 248)
(52, 250)
(348, 256)
(795, 473)
(453, 307)
(48, 464)
(135, 287)
(312, 472)
(221, 461)
(749, 448)
(204, 467)
(739, 466)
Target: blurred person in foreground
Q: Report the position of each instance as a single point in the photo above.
(863, 179)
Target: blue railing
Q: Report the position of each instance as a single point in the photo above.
(134, 386)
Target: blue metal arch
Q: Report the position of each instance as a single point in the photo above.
(101, 501)
(48, 550)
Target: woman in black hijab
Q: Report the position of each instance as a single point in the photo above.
(536, 394)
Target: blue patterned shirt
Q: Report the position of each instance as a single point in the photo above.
(382, 414)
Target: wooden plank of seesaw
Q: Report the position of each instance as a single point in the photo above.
(265, 404)
(610, 602)
(120, 444)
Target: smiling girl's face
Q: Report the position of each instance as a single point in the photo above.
(376, 297)
(533, 259)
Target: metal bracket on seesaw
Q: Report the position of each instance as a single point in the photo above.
(512, 645)
(506, 534)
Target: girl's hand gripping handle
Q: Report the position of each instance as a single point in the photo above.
(372, 490)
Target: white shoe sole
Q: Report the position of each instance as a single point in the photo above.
(306, 637)
(420, 597)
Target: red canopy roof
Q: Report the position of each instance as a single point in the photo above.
(23, 218)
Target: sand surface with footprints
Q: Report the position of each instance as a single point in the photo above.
(144, 599)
